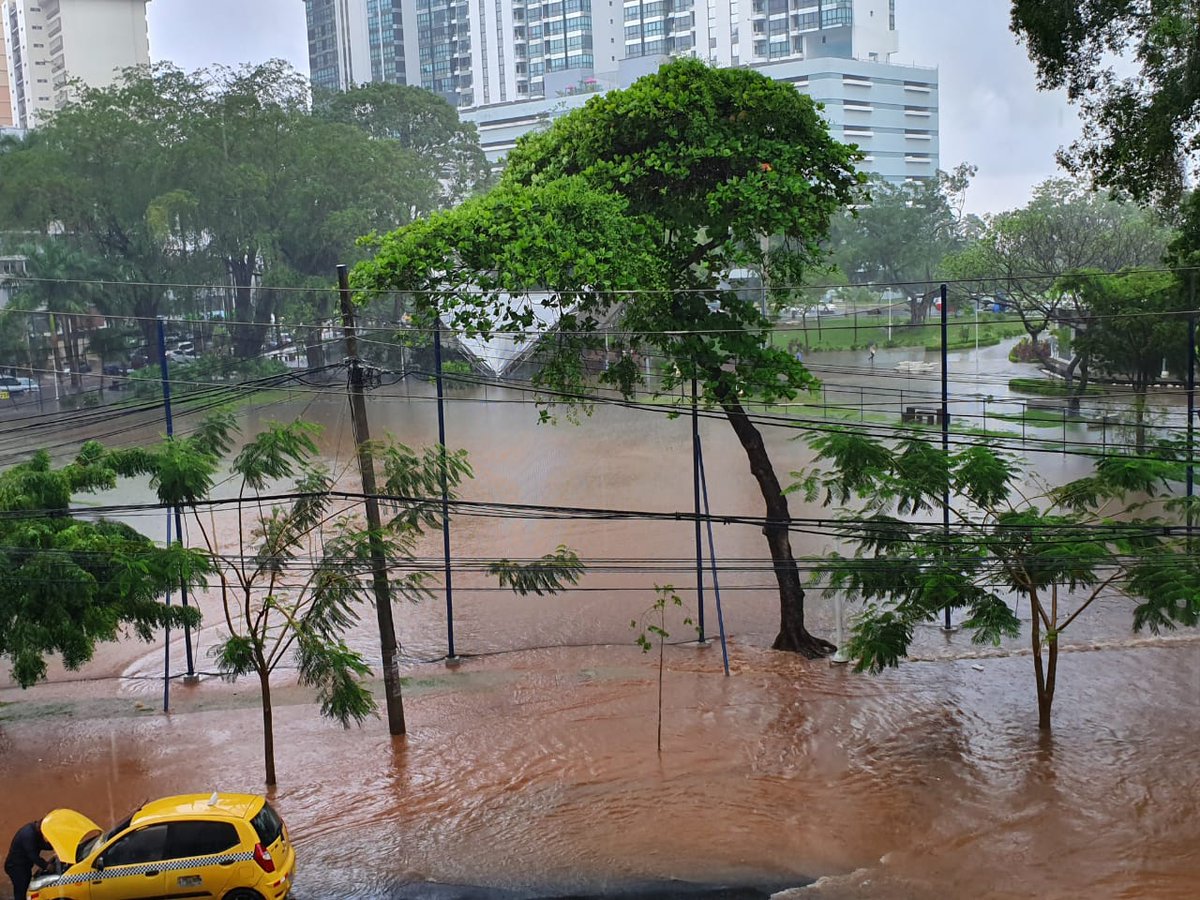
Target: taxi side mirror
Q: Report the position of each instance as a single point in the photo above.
(98, 865)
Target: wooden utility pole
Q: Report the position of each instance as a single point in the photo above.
(366, 466)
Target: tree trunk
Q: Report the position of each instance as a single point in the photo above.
(1047, 700)
(793, 636)
(251, 318)
(1045, 687)
(1139, 413)
(264, 682)
(1072, 394)
(72, 349)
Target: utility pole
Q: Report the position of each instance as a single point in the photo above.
(366, 467)
(190, 676)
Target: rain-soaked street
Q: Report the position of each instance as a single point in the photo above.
(531, 765)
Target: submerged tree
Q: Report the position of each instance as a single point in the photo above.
(293, 578)
(1059, 550)
(1065, 228)
(1131, 326)
(624, 222)
(67, 583)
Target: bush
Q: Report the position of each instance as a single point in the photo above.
(1027, 351)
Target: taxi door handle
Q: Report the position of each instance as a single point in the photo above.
(152, 873)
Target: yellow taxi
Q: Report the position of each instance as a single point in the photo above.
(225, 846)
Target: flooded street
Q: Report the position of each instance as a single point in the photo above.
(531, 765)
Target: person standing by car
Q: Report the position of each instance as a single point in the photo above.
(25, 855)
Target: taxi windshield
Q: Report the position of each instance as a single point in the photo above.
(88, 844)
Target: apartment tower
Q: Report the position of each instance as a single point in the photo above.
(510, 65)
(50, 43)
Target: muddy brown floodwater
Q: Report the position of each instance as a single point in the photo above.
(531, 766)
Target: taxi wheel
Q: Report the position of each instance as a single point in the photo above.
(243, 894)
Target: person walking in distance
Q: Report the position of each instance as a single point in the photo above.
(25, 855)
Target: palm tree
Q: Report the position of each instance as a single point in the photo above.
(57, 276)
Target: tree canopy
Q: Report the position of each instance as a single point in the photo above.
(1141, 130)
(68, 583)
(627, 218)
(900, 234)
(1064, 228)
(227, 176)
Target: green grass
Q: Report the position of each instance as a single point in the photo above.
(846, 332)
(1045, 387)
(1038, 418)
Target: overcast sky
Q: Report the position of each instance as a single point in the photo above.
(991, 112)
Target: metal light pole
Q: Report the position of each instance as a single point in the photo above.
(451, 656)
(696, 502)
(946, 626)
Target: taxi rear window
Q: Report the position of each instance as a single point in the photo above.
(267, 825)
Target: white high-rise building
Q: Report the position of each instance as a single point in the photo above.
(50, 43)
(6, 105)
(511, 65)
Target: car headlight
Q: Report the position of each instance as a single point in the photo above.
(43, 881)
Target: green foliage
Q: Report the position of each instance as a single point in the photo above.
(420, 121)
(1070, 543)
(1045, 387)
(624, 220)
(547, 575)
(630, 211)
(1064, 228)
(172, 178)
(67, 584)
(903, 233)
(1140, 127)
(1134, 321)
(202, 374)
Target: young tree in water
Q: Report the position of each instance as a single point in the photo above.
(1059, 550)
(624, 221)
(67, 583)
(299, 566)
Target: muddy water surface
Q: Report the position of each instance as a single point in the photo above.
(532, 765)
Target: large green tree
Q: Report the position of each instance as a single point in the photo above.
(1131, 326)
(900, 234)
(221, 177)
(1141, 128)
(1013, 542)
(625, 221)
(68, 582)
(420, 121)
(1065, 228)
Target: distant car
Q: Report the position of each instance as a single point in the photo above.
(186, 347)
(826, 309)
(224, 846)
(115, 369)
(18, 386)
(180, 356)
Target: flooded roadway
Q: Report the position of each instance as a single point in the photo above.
(535, 771)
